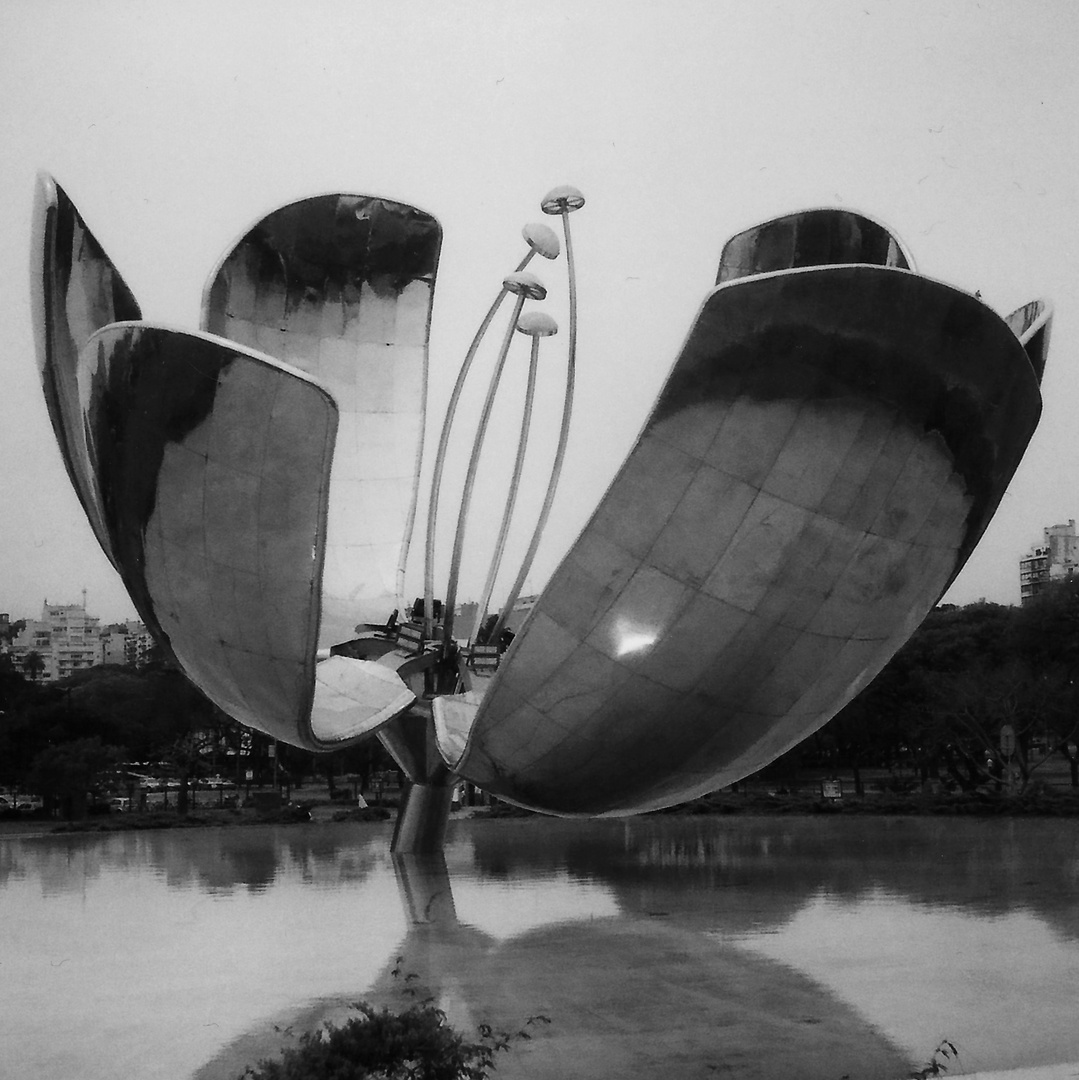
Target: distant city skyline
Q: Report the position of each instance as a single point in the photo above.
(68, 638)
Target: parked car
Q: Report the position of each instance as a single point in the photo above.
(25, 803)
(119, 804)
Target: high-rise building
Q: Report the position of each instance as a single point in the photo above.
(126, 643)
(65, 639)
(1055, 559)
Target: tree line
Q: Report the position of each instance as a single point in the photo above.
(70, 739)
(939, 707)
(936, 711)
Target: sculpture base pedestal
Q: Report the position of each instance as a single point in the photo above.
(422, 819)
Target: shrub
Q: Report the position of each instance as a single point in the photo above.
(363, 813)
(416, 1044)
(290, 814)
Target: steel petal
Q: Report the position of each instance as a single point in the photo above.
(1032, 324)
(75, 290)
(213, 467)
(826, 452)
(341, 286)
(354, 698)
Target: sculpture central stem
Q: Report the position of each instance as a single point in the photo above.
(423, 816)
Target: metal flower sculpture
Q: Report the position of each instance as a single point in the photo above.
(829, 446)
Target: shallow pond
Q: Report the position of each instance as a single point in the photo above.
(143, 955)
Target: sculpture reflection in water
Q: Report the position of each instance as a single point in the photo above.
(558, 972)
(827, 449)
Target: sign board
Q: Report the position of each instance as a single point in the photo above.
(832, 789)
(1007, 740)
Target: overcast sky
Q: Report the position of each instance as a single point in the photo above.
(175, 126)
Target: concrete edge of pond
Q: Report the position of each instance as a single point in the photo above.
(1067, 1070)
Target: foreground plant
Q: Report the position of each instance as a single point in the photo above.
(935, 1066)
(416, 1043)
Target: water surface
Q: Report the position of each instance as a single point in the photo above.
(143, 954)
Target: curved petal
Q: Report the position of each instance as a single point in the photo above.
(354, 698)
(1032, 324)
(810, 238)
(454, 716)
(75, 290)
(341, 287)
(826, 452)
(213, 467)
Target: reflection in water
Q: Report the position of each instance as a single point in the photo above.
(218, 861)
(155, 950)
(1001, 987)
(762, 870)
(513, 907)
(626, 995)
(138, 954)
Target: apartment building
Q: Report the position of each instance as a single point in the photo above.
(66, 639)
(1056, 558)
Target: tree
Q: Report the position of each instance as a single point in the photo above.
(17, 745)
(964, 675)
(14, 686)
(415, 1044)
(33, 663)
(68, 773)
(186, 723)
(1047, 638)
(978, 703)
(865, 733)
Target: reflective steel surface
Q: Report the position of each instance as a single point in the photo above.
(75, 290)
(826, 452)
(829, 446)
(822, 237)
(341, 287)
(211, 466)
(354, 698)
(1032, 324)
(454, 715)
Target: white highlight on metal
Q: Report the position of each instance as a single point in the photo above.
(634, 642)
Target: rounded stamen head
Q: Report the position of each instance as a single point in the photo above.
(542, 240)
(562, 200)
(537, 324)
(523, 283)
